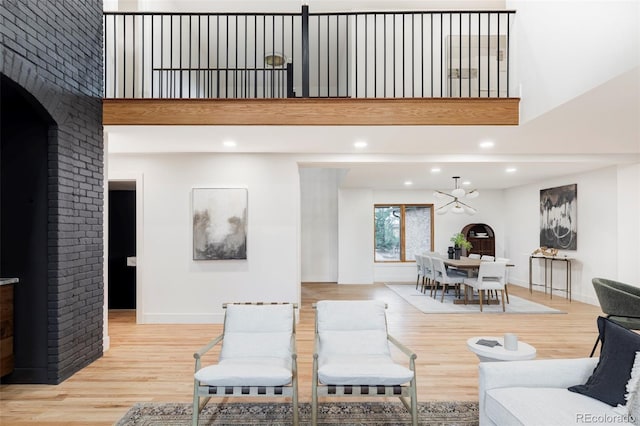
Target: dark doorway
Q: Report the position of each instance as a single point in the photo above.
(24, 139)
(122, 245)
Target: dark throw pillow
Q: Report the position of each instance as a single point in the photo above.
(609, 379)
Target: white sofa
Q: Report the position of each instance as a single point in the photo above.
(535, 393)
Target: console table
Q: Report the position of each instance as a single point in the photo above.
(548, 271)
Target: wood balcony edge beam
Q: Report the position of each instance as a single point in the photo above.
(313, 111)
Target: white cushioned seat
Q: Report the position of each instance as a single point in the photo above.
(247, 372)
(543, 406)
(362, 370)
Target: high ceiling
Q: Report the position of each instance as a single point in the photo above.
(597, 129)
(569, 123)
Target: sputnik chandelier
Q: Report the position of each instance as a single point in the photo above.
(455, 205)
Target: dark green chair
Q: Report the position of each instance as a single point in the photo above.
(620, 302)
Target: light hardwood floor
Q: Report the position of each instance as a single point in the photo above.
(154, 362)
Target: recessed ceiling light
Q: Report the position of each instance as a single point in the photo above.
(486, 144)
(466, 182)
(408, 183)
(229, 143)
(360, 144)
(435, 170)
(511, 170)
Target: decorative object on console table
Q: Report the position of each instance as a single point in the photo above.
(545, 251)
(219, 223)
(559, 218)
(481, 237)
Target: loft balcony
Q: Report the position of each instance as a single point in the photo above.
(348, 68)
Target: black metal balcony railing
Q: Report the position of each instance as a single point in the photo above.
(363, 55)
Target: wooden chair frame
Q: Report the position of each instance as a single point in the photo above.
(206, 392)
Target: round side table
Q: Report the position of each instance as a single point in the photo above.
(499, 353)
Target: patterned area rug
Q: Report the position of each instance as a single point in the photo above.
(429, 305)
(275, 414)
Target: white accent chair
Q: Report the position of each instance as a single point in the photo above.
(257, 358)
(444, 278)
(352, 356)
(473, 256)
(491, 276)
(487, 258)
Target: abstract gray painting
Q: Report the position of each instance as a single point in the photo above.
(219, 223)
(559, 217)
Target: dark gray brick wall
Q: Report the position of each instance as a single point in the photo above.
(53, 49)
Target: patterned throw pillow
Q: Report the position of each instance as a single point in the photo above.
(633, 392)
(631, 410)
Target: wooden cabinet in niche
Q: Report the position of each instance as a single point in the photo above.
(481, 237)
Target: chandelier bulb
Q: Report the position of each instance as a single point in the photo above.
(457, 209)
(439, 195)
(473, 194)
(458, 192)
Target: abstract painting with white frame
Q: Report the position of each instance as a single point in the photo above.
(219, 223)
(559, 217)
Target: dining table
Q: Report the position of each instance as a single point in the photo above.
(466, 263)
(463, 263)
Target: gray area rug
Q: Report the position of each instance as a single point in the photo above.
(429, 305)
(451, 413)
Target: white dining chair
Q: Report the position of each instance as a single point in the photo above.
(442, 277)
(506, 276)
(419, 268)
(488, 258)
(429, 276)
(491, 276)
(473, 256)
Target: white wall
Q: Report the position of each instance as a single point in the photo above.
(557, 60)
(599, 243)
(356, 265)
(319, 223)
(628, 224)
(176, 289)
(355, 236)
